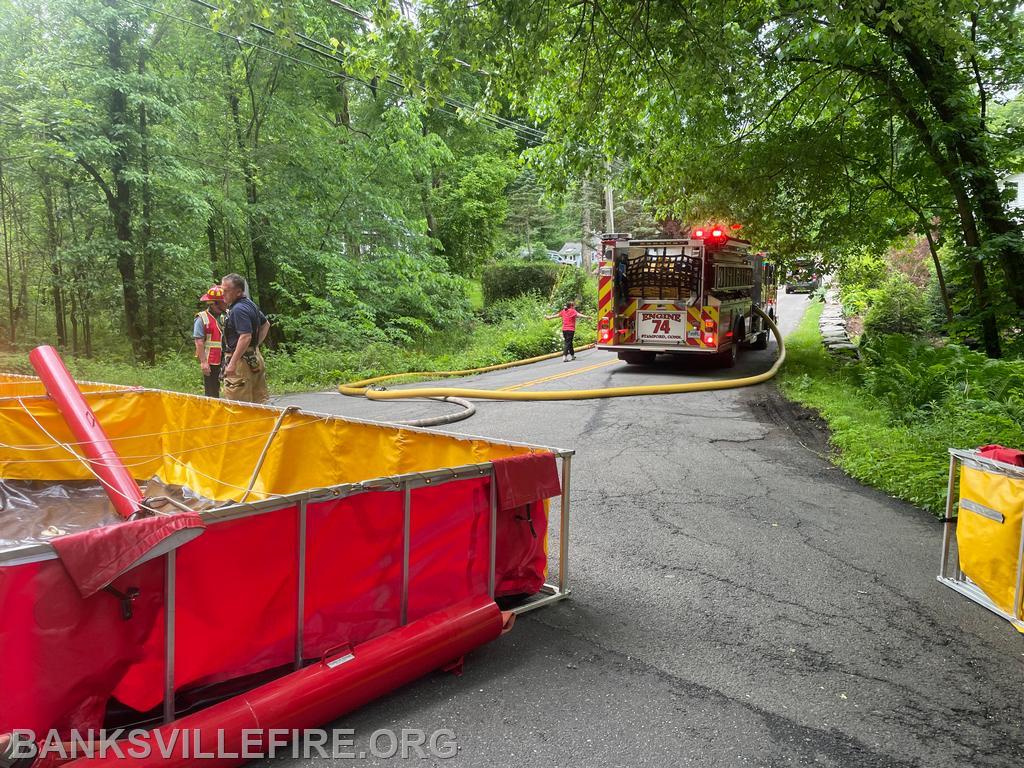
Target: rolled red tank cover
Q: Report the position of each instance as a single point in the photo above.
(309, 698)
(124, 493)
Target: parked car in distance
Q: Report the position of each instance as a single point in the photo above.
(804, 277)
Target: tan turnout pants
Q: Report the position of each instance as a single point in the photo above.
(247, 385)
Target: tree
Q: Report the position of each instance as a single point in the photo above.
(469, 202)
(776, 116)
(150, 149)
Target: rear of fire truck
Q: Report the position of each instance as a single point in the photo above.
(692, 295)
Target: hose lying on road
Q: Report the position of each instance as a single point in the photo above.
(468, 409)
(363, 388)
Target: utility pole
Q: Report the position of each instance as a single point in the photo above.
(586, 192)
(609, 200)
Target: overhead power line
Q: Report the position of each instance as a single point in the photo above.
(369, 22)
(351, 11)
(326, 50)
(274, 52)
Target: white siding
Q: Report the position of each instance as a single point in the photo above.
(1016, 180)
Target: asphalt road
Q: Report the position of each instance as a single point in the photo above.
(737, 601)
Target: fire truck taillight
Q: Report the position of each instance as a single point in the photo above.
(606, 336)
(709, 339)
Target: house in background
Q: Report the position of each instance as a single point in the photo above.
(1014, 182)
(574, 252)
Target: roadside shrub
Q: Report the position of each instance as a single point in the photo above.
(574, 284)
(893, 415)
(859, 278)
(538, 338)
(916, 379)
(898, 308)
(507, 279)
(518, 308)
(935, 309)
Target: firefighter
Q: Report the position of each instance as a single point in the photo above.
(245, 372)
(206, 333)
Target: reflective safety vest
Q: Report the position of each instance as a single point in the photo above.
(212, 330)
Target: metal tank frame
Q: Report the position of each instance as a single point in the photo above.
(950, 573)
(551, 591)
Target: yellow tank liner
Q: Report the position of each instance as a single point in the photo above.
(212, 446)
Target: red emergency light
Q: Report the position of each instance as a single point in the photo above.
(716, 235)
(709, 339)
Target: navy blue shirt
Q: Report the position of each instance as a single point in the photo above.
(243, 317)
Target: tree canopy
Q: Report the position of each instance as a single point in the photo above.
(360, 162)
(822, 128)
(151, 147)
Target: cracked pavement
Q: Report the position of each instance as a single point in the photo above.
(737, 600)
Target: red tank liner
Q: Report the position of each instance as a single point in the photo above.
(318, 694)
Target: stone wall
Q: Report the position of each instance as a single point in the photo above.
(833, 327)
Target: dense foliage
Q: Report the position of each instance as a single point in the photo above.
(825, 128)
(897, 307)
(148, 149)
(893, 416)
(508, 279)
(360, 163)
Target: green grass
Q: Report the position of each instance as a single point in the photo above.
(475, 293)
(898, 449)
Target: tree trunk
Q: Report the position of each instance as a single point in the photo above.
(75, 289)
(211, 241)
(74, 323)
(342, 116)
(145, 235)
(56, 288)
(979, 280)
(87, 332)
(933, 249)
(11, 314)
(966, 135)
(257, 224)
(425, 192)
(20, 231)
(943, 154)
(120, 199)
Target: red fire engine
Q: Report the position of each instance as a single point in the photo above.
(693, 295)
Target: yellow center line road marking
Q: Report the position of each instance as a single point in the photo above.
(562, 375)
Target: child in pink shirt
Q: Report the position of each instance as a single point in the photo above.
(568, 315)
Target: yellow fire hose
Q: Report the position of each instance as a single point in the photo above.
(363, 388)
